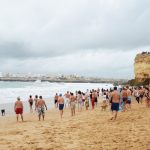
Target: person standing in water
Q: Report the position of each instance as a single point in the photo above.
(61, 104)
(18, 108)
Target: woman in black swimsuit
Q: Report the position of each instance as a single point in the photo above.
(30, 103)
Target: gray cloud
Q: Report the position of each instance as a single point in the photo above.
(50, 29)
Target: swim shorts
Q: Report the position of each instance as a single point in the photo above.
(124, 99)
(129, 100)
(19, 111)
(41, 111)
(61, 106)
(115, 106)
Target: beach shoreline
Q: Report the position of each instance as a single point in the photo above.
(9, 107)
(85, 131)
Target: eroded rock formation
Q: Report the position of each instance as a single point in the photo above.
(142, 67)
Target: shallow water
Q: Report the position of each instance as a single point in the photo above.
(10, 90)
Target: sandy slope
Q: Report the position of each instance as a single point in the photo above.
(88, 130)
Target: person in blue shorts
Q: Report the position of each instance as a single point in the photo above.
(61, 104)
(115, 97)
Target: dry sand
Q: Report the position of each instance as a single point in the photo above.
(88, 130)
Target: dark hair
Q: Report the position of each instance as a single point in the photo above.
(40, 97)
(115, 88)
(30, 96)
(79, 92)
(36, 96)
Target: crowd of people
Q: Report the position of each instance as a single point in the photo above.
(114, 99)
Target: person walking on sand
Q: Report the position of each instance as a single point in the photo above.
(41, 105)
(124, 96)
(61, 104)
(128, 103)
(35, 102)
(72, 104)
(79, 100)
(93, 99)
(141, 91)
(115, 101)
(30, 103)
(86, 103)
(18, 108)
(67, 98)
(56, 100)
(147, 97)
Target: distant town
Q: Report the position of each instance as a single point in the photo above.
(56, 78)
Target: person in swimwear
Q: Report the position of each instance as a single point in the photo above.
(124, 96)
(56, 100)
(18, 108)
(72, 104)
(67, 98)
(79, 100)
(61, 104)
(41, 105)
(93, 99)
(86, 103)
(30, 103)
(115, 97)
(128, 103)
(35, 101)
(147, 97)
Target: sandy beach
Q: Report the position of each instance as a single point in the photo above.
(88, 130)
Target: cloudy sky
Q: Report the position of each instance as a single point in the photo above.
(86, 37)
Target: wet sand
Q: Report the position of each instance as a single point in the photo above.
(88, 130)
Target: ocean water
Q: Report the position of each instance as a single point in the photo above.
(9, 91)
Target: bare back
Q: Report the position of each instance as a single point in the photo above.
(60, 100)
(40, 103)
(72, 98)
(115, 97)
(18, 104)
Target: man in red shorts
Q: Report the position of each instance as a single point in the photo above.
(18, 108)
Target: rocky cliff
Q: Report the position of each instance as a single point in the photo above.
(142, 67)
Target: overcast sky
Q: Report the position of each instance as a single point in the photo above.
(86, 37)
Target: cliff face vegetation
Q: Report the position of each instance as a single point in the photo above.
(141, 69)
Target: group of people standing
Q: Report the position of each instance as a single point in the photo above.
(78, 98)
(40, 106)
(116, 99)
